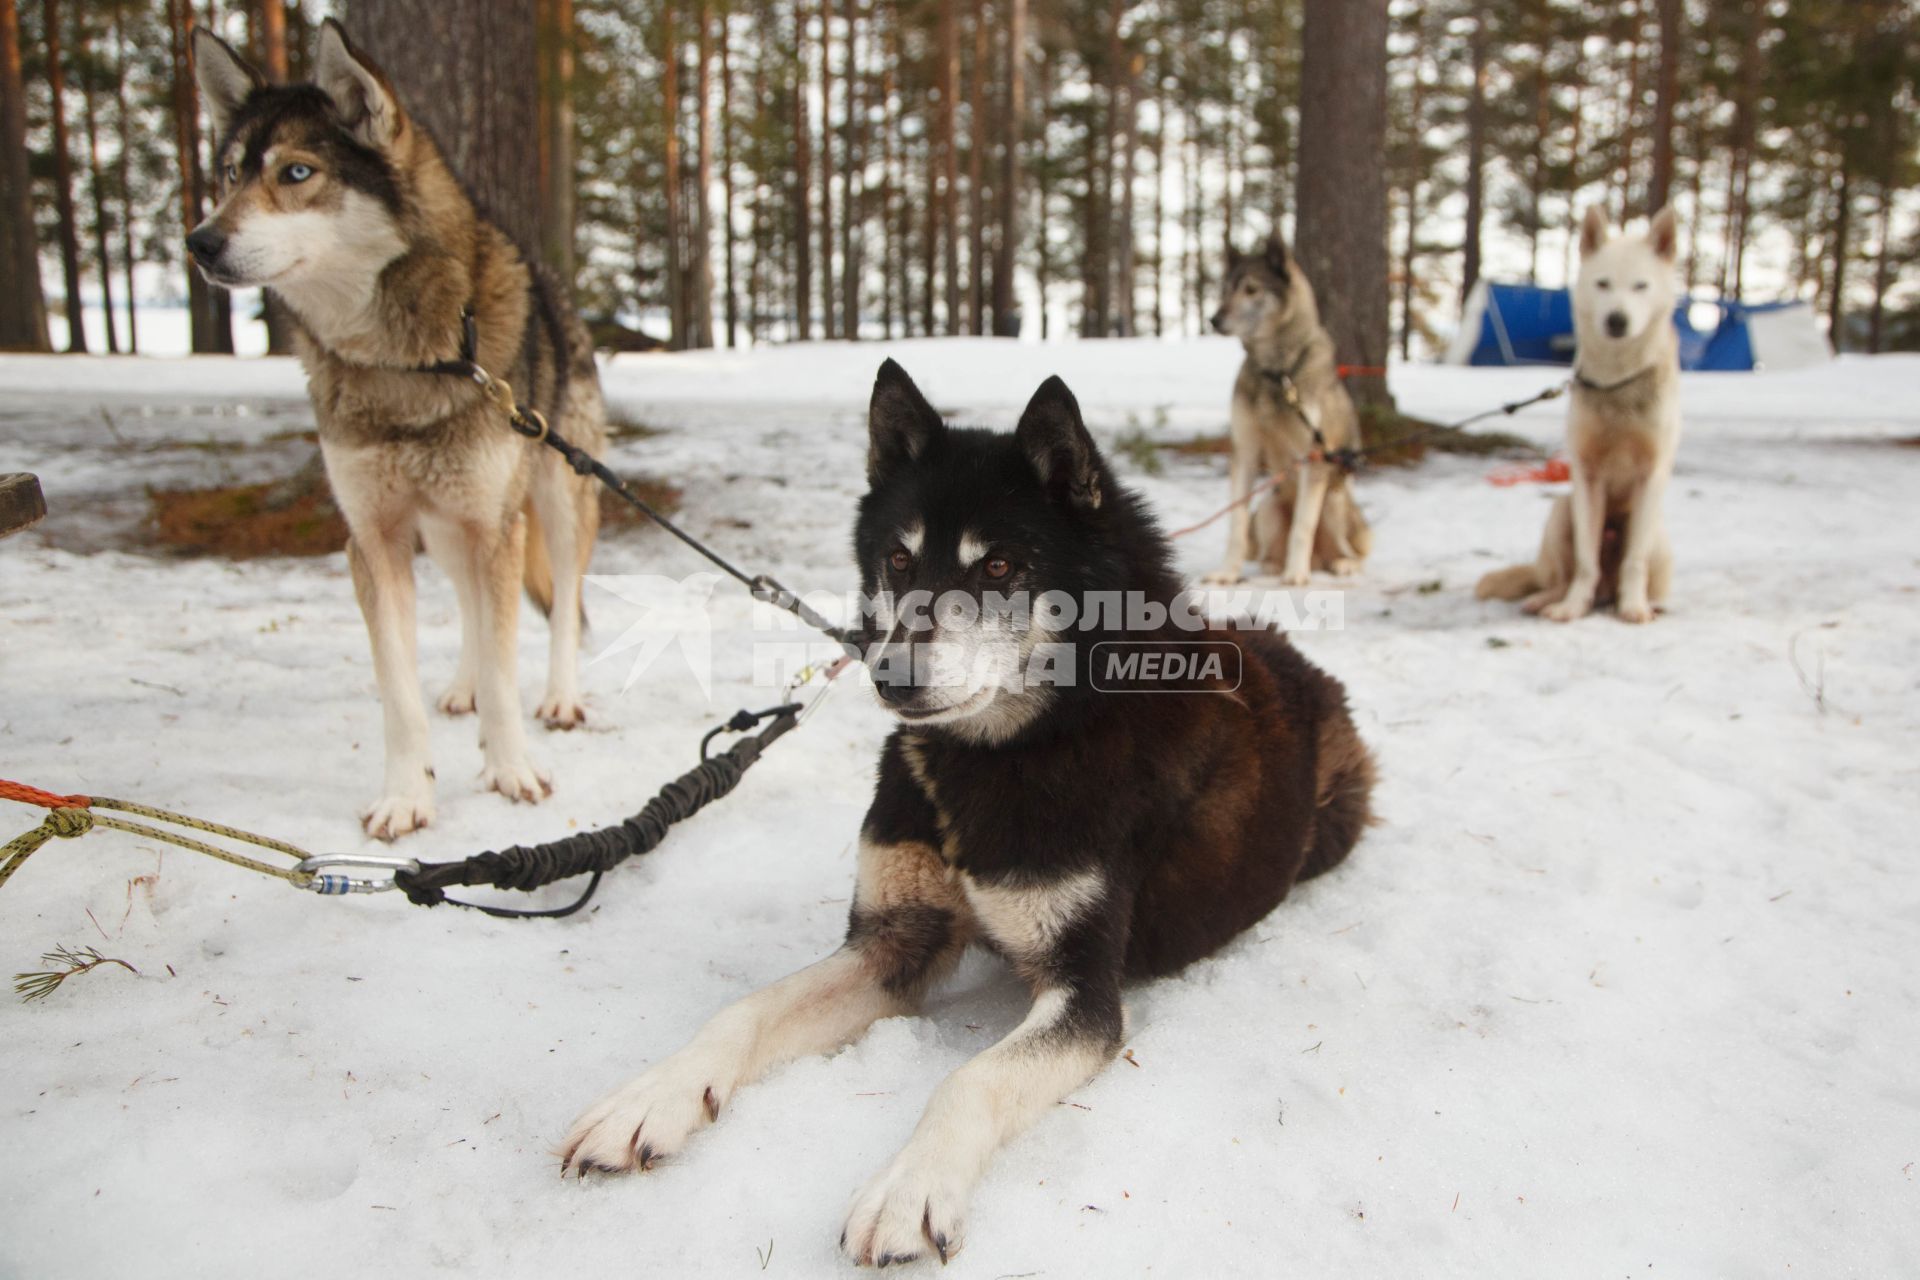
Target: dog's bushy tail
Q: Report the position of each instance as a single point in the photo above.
(1343, 793)
(1512, 583)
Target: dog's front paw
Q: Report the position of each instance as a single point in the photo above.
(458, 699)
(1295, 577)
(1225, 576)
(1568, 609)
(1346, 567)
(563, 712)
(517, 780)
(646, 1121)
(394, 816)
(1634, 611)
(915, 1207)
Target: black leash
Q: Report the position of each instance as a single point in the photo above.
(533, 424)
(597, 852)
(1349, 459)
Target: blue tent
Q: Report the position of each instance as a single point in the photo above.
(1515, 324)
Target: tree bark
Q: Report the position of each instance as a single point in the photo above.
(1342, 220)
(1007, 193)
(702, 264)
(123, 170)
(271, 27)
(63, 184)
(802, 205)
(828, 299)
(726, 168)
(1476, 152)
(1882, 275)
(1842, 248)
(976, 157)
(97, 184)
(950, 159)
(186, 139)
(23, 307)
(558, 170)
(469, 71)
(1124, 258)
(677, 337)
(1660, 186)
(850, 220)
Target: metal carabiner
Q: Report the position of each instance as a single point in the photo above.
(332, 885)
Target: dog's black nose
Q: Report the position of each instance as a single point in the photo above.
(895, 693)
(205, 244)
(1617, 324)
(1219, 322)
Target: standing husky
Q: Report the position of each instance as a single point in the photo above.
(1086, 836)
(1288, 386)
(335, 200)
(1607, 538)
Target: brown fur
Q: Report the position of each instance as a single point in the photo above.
(376, 254)
(1269, 304)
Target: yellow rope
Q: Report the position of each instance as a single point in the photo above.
(71, 823)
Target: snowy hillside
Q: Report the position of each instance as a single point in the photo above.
(1626, 983)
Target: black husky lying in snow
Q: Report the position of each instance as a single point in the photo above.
(1052, 802)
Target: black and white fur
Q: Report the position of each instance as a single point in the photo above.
(1087, 837)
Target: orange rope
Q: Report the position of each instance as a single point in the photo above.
(1362, 371)
(45, 799)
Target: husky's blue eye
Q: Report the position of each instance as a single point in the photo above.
(296, 173)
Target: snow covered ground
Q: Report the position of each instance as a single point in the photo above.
(1627, 982)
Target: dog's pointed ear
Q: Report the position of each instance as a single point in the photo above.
(1279, 257)
(1056, 442)
(900, 422)
(1594, 230)
(1663, 233)
(224, 77)
(358, 89)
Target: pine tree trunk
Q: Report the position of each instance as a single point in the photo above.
(69, 230)
(1660, 186)
(1124, 258)
(1043, 263)
(558, 168)
(802, 205)
(828, 297)
(726, 168)
(1159, 195)
(851, 162)
(702, 264)
(97, 184)
(891, 248)
(186, 138)
(1342, 223)
(1882, 275)
(23, 308)
(677, 337)
(272, 29)
(1476, 152)
(123, 179)
(1842, 248)
(1745, 133)
(469, 70)
(976, 156)
(950, 159)
(1007, 192)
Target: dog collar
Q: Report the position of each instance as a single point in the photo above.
(1585, 383)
